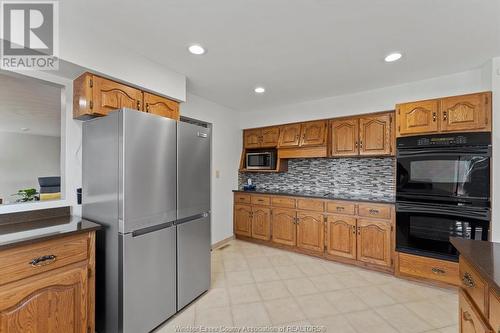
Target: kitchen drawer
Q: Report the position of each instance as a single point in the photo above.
(341, 207)
(469, 319)
(473, 284)
(241, 198)
(428, 268)
(310, 204)
(494, 311)
(261, 200)
(376, 211)
(18, 263)
(283, 202)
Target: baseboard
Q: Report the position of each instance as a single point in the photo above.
(222, 242)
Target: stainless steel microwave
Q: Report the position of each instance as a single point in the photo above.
(264, 160)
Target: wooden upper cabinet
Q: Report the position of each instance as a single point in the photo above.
(270, 136)
(95, 96)
(251, 138)
(344, 137)
(310, 231)
(417, 117)
(261, 223)
(161, 106)
(108, 95)
(374, 242)
(467, 112)
(290, 136)
(341, 236)
(243, 220)
(375, 135)
(313, 133)
(283, 226)
(50, 302)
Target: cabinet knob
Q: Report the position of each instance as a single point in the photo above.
(467, 316)
(468, 280)
(438, 271)
(339, 209)
(147, 107)
(374, 211)
(445, 115)
(434, 116)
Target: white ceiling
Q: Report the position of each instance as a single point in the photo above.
(29, 103)
(298, 49)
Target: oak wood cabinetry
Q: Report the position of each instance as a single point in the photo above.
(370, 135)
(95, 96)
(470, 320)
(290, 136)
(161, 106)
(494, 311)
(307, 134)
(52, 291)
(266, 137)
(471, 112)
(427, 269)
(334, 229)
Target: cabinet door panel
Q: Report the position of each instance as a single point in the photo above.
(51, 302)
(310, 231)
(252, 138)
(243, 220)
(495, 311)
(374, 242)
(261, 223)
(341, 236)
(313, 134)
(270, 136)
(161, 106)
(290, 136)
(283, 226)
(418, 117)
(375, 135)
(345, 137)
(461, 113)
(109, 95)
(469, 320)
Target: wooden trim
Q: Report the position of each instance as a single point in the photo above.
(306, 152)
(91, 282)
(221, 243)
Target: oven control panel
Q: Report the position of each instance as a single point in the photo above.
(431, 141)
(443, 140)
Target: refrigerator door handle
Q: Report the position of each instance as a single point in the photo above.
(154, 228)
(191, 218)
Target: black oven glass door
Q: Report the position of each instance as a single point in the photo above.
(426, 229)
(444, 173)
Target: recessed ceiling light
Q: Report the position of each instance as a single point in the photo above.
(260, 90)
(393, 57)
(25, 129)
(196, 49)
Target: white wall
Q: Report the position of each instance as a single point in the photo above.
(367, 101)
(226, 150)
(24, 158)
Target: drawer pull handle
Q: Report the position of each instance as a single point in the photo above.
(468, 281)
(467, 317)
(340, 209)
(43, 261)
(438, 271)
(374, 211)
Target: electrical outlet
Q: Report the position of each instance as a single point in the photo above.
(217, 174)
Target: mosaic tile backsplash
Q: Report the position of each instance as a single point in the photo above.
(359, 176)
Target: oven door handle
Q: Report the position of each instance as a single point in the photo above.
(474, 151)
(480, 214)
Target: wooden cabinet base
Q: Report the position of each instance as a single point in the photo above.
(431, 270)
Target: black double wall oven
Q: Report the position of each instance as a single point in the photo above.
(443, 191)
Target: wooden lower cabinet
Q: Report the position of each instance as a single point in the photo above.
(261, 223)
(341, 236)
(310, 231)
(52, 302)
(495, 311)
(243, 220)
(374, 242)
(283, 226)
(470, 319)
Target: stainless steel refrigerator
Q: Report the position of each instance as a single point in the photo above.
(146, 179)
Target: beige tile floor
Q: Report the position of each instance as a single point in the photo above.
(254, 285)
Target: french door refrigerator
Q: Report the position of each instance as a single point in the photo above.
(130, 186)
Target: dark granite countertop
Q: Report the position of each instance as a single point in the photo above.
(484, 256)
(327, 195)
(23, 230)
